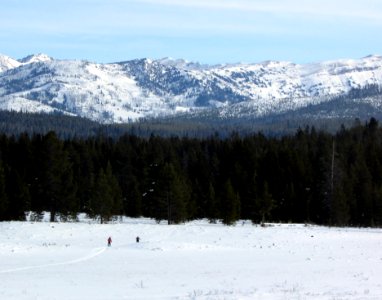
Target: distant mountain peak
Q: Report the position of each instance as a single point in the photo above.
(374, 56)
(182, 63)
(7, 63)
(41, 57)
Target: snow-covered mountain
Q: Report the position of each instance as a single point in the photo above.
(7, 63)
(126, 91)
(35, 58)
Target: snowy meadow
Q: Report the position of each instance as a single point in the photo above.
(196, 260)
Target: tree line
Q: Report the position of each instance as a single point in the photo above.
(311, 176)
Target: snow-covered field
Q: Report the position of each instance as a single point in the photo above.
(196, 260)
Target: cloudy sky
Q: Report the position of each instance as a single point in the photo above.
(207, 31)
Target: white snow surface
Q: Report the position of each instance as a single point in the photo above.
(196, 260)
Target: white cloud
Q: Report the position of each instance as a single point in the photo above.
(170, 17)
(367, 9)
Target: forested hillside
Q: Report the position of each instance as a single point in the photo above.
(311, 176)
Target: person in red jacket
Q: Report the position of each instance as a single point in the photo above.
(109, 241)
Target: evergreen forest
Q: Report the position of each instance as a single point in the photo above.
(311, 176)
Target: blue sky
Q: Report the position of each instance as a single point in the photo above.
(206, 31)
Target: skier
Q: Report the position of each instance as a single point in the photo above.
(109, 241)
(137, 239)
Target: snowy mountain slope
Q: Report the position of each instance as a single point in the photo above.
(35, 58)
(126, 91)
(77, 87)
(7, 63)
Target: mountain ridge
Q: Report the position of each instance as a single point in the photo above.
(127, 91)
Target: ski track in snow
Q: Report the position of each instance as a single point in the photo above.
(95, 252)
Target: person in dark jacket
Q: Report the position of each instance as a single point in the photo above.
(109, 241)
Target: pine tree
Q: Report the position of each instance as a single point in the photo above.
(116, 194)
(265, 203)
(106, 200)
(132, 202)
(230, 203)
(171, 196)
(101, 202)
(339, 209)
(85, 176)
(213, 212)
(363, 190)
(19, 196)
(4, 212)
(57, 188)
(69, 205)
